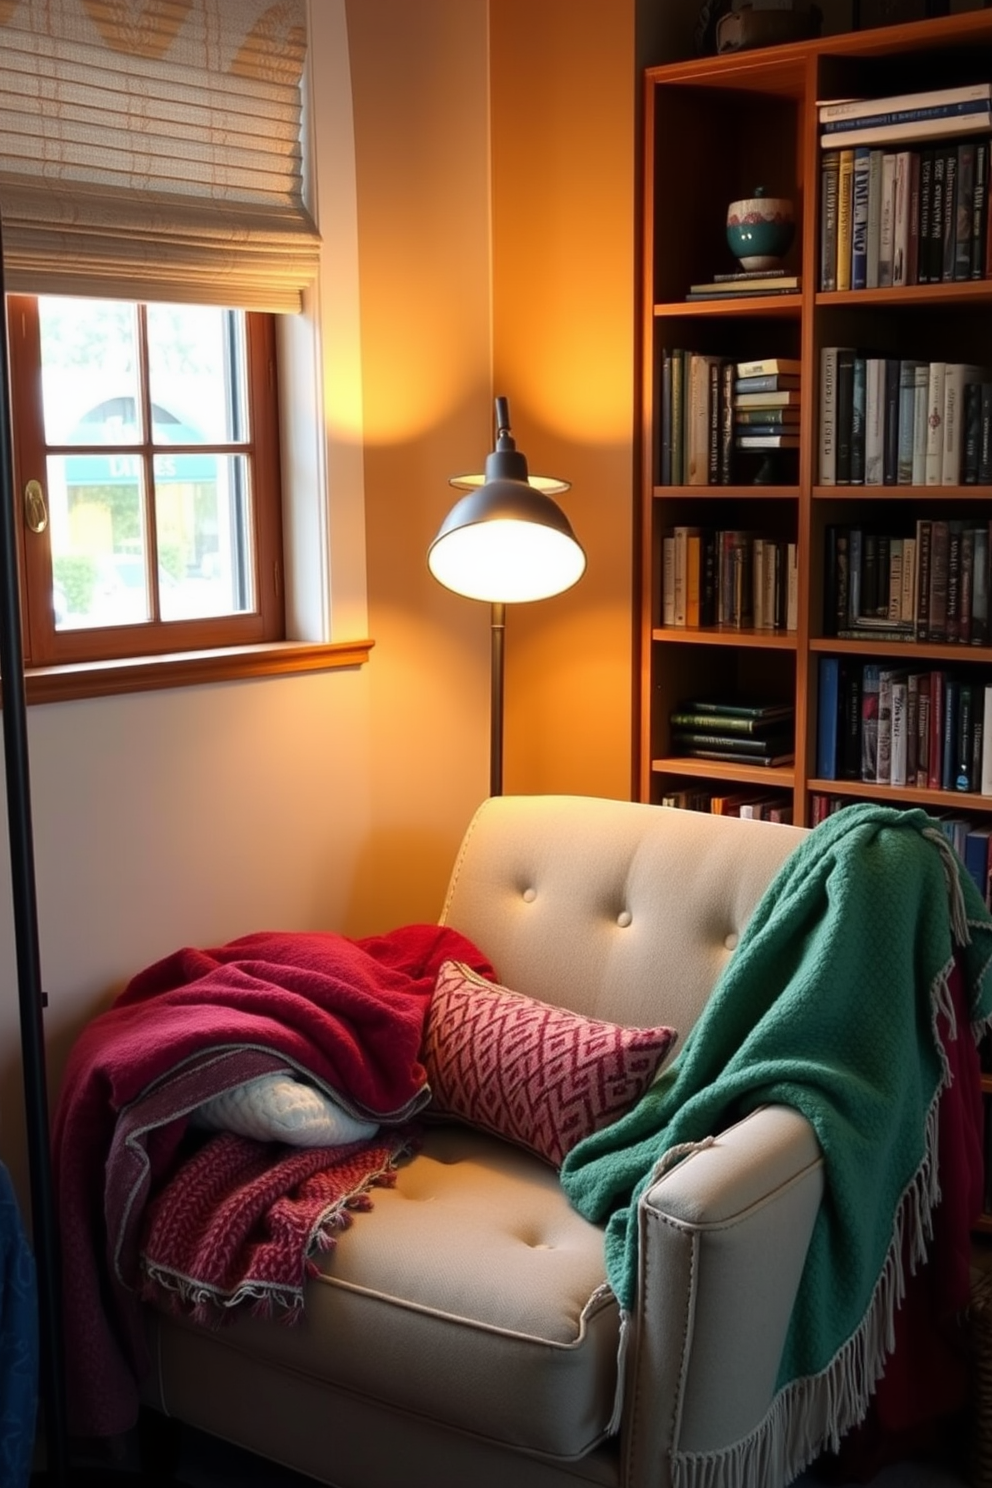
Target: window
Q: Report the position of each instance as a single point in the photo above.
(147, 477)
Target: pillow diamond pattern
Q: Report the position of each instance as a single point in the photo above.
(538, 1075)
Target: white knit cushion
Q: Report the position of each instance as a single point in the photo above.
(278, 1108)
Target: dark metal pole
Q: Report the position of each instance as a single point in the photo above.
(44, 1227)
(498, 629)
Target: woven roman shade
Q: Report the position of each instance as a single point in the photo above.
(151, 149)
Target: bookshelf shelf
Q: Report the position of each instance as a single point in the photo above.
(766, 775)
(725, 636)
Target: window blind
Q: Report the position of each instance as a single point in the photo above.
(154, 150)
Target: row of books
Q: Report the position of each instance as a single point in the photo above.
(929, 584)
(762, 735)
(890, 725)
(773, 806)
(890, 421)
(715, 410)
(728, 577)
(892, 217)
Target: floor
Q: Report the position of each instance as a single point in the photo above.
(207, 1463)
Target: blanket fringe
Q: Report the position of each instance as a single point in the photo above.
(812, 1414)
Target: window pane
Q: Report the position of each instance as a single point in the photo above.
(96, 508)
(203, 513)
(89, 371)
(197, 376)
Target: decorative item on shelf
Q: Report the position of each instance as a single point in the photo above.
(505, 542)
(760, 229)
(758, 23)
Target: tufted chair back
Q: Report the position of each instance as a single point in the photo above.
(616, 909)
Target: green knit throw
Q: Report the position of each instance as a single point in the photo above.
(829, 1004)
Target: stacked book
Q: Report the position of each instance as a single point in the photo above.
(765, 404)
(746, 282)
(895, 214)
(738, 733)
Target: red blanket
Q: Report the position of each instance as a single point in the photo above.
(239, 1220)
(347, 1014)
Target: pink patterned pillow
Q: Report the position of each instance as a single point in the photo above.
(540, 1076)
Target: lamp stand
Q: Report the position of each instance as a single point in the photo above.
(497, 625)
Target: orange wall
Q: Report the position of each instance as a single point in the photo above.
(494, 152)
(563, 122)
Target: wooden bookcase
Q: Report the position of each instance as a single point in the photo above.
(714, 129)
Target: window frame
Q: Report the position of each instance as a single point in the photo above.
(45, 646)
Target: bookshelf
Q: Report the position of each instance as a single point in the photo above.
(715, 128)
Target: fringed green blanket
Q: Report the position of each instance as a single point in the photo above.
(829, 1004)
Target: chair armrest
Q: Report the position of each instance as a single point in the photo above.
(722, 1241)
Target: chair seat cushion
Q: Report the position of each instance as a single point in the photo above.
(472, 1294)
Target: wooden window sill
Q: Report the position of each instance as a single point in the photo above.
(59, 684)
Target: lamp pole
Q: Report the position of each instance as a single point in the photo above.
(497, 625)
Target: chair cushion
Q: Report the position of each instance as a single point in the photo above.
(471, 1294)
(538, 1075)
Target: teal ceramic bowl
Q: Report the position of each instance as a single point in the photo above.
(760, 230)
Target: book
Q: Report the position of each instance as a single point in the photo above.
(935, 423)
(786, 398)
(678, 416)
(979, 210)
(923, 230)
(902, 104)
(935, 219)
(668, 579)
(829, 185)
(665, 447)
(886, 218)
(890, 423)
(963, 223)
(956, 376)
(736, 745)
(858, 406)
(940, 536)
(767, 441)
(921, 384)
(900, 218)
(899, 749)
(875, 157)
(913, 238)
(748, 284)
(730, 757)
(697, 414)
(869, 721)
(768, 366)
(843, 414)
(828, 718)
(759, 712)
(859, 217)
(828, 416)
(908, 129)
(780, 417)
(766, 382)
(694, 720)
(985, 782)
(845, 207)
(949, 214)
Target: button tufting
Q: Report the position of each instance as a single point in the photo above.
(730, 941)
(624, 918)
(530, 895)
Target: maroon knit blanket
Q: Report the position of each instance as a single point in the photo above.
(240, 1220)
(348, 1015)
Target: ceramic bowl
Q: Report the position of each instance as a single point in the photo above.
(760, 230)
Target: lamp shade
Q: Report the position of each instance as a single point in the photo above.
(506, 541)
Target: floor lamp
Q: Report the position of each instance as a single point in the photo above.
(505, 542)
